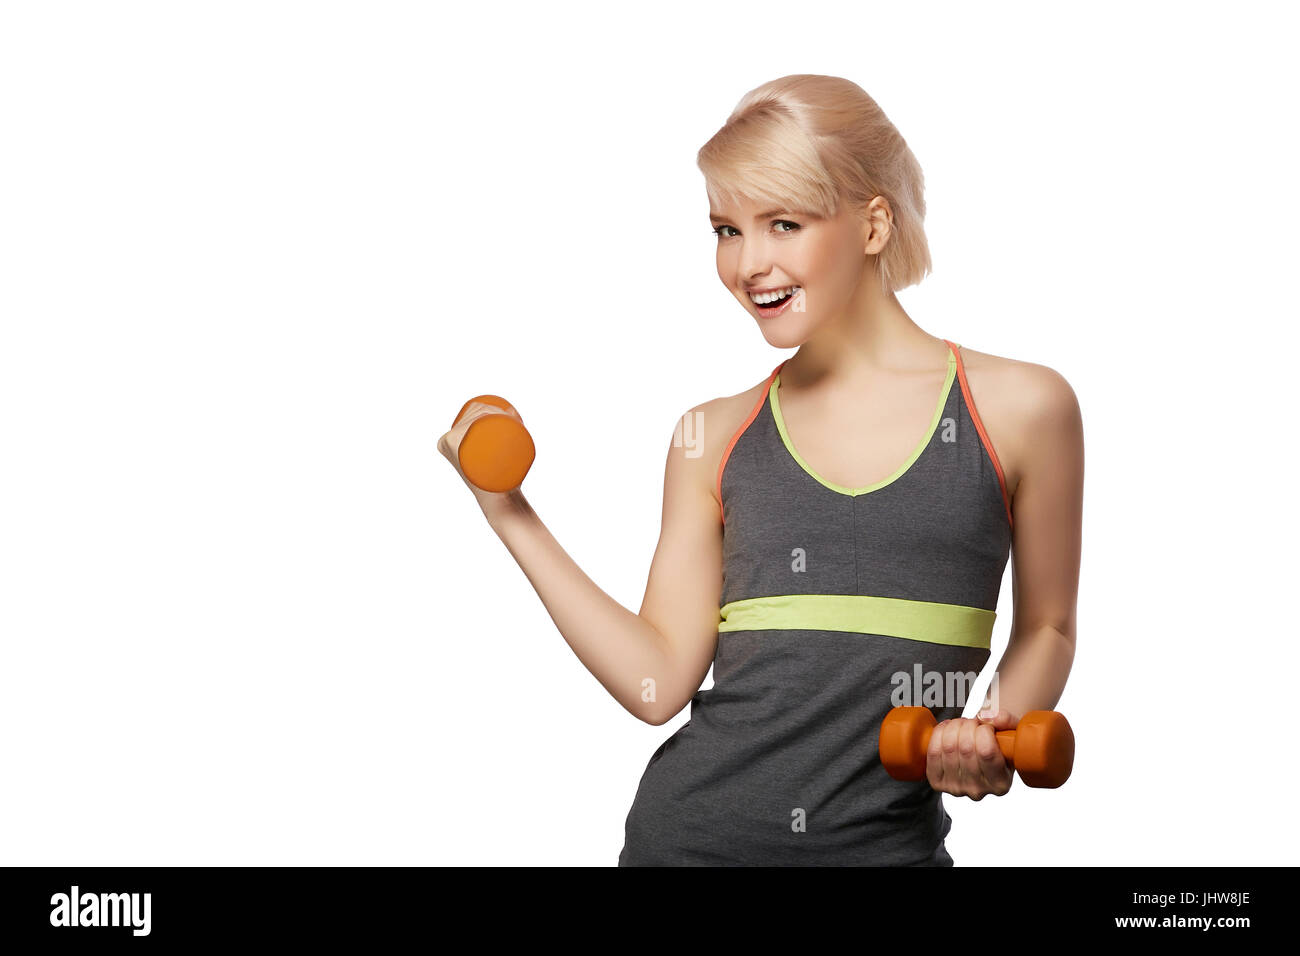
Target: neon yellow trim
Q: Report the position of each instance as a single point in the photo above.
(862, 614)
(902, 469)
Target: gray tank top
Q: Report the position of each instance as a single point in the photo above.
(836, 603)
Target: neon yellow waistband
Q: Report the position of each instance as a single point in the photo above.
(862, 614)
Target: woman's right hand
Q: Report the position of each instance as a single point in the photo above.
(449, 444)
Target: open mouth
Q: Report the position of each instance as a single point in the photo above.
(777, 305)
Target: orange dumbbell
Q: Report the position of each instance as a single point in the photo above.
(1040, 749)
(496, 450)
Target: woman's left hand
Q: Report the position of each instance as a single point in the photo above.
(964, 758)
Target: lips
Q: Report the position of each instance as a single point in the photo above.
(776, 308)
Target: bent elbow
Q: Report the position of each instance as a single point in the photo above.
(660, 715)
(650, 714)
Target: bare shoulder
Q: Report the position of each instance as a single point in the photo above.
(1015, 401)
(704, 432)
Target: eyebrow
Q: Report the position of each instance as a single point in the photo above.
(714, 217)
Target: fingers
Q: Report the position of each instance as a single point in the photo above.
(994, 774)
(961, 757)
(934, 758)
(964, 759)
(942, 761)
(476, 409)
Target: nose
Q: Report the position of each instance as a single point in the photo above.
(754, 260)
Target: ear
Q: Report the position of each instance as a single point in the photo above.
(877, 224)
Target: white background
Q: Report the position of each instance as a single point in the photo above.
(255, 256)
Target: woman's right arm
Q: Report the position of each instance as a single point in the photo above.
(654, 661)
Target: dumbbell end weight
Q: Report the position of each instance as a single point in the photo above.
(1044, 749)
(496, 450)
(904, 739)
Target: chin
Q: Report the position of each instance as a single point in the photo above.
(784, 338)
(781, 333)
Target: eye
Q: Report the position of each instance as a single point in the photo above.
(794, 227)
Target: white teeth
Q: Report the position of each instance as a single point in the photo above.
(766, 297)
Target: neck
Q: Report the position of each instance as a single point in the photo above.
(873, 335)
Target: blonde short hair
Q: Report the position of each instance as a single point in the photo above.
(807, 143)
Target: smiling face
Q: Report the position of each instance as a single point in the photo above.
(828, 259)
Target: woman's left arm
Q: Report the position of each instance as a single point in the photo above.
(1047, 533)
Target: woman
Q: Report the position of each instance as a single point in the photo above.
(834, 543)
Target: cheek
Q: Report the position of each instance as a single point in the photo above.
(817, 261)
(834, 268)
(850, 256)
(817, 273)
(725, 270)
